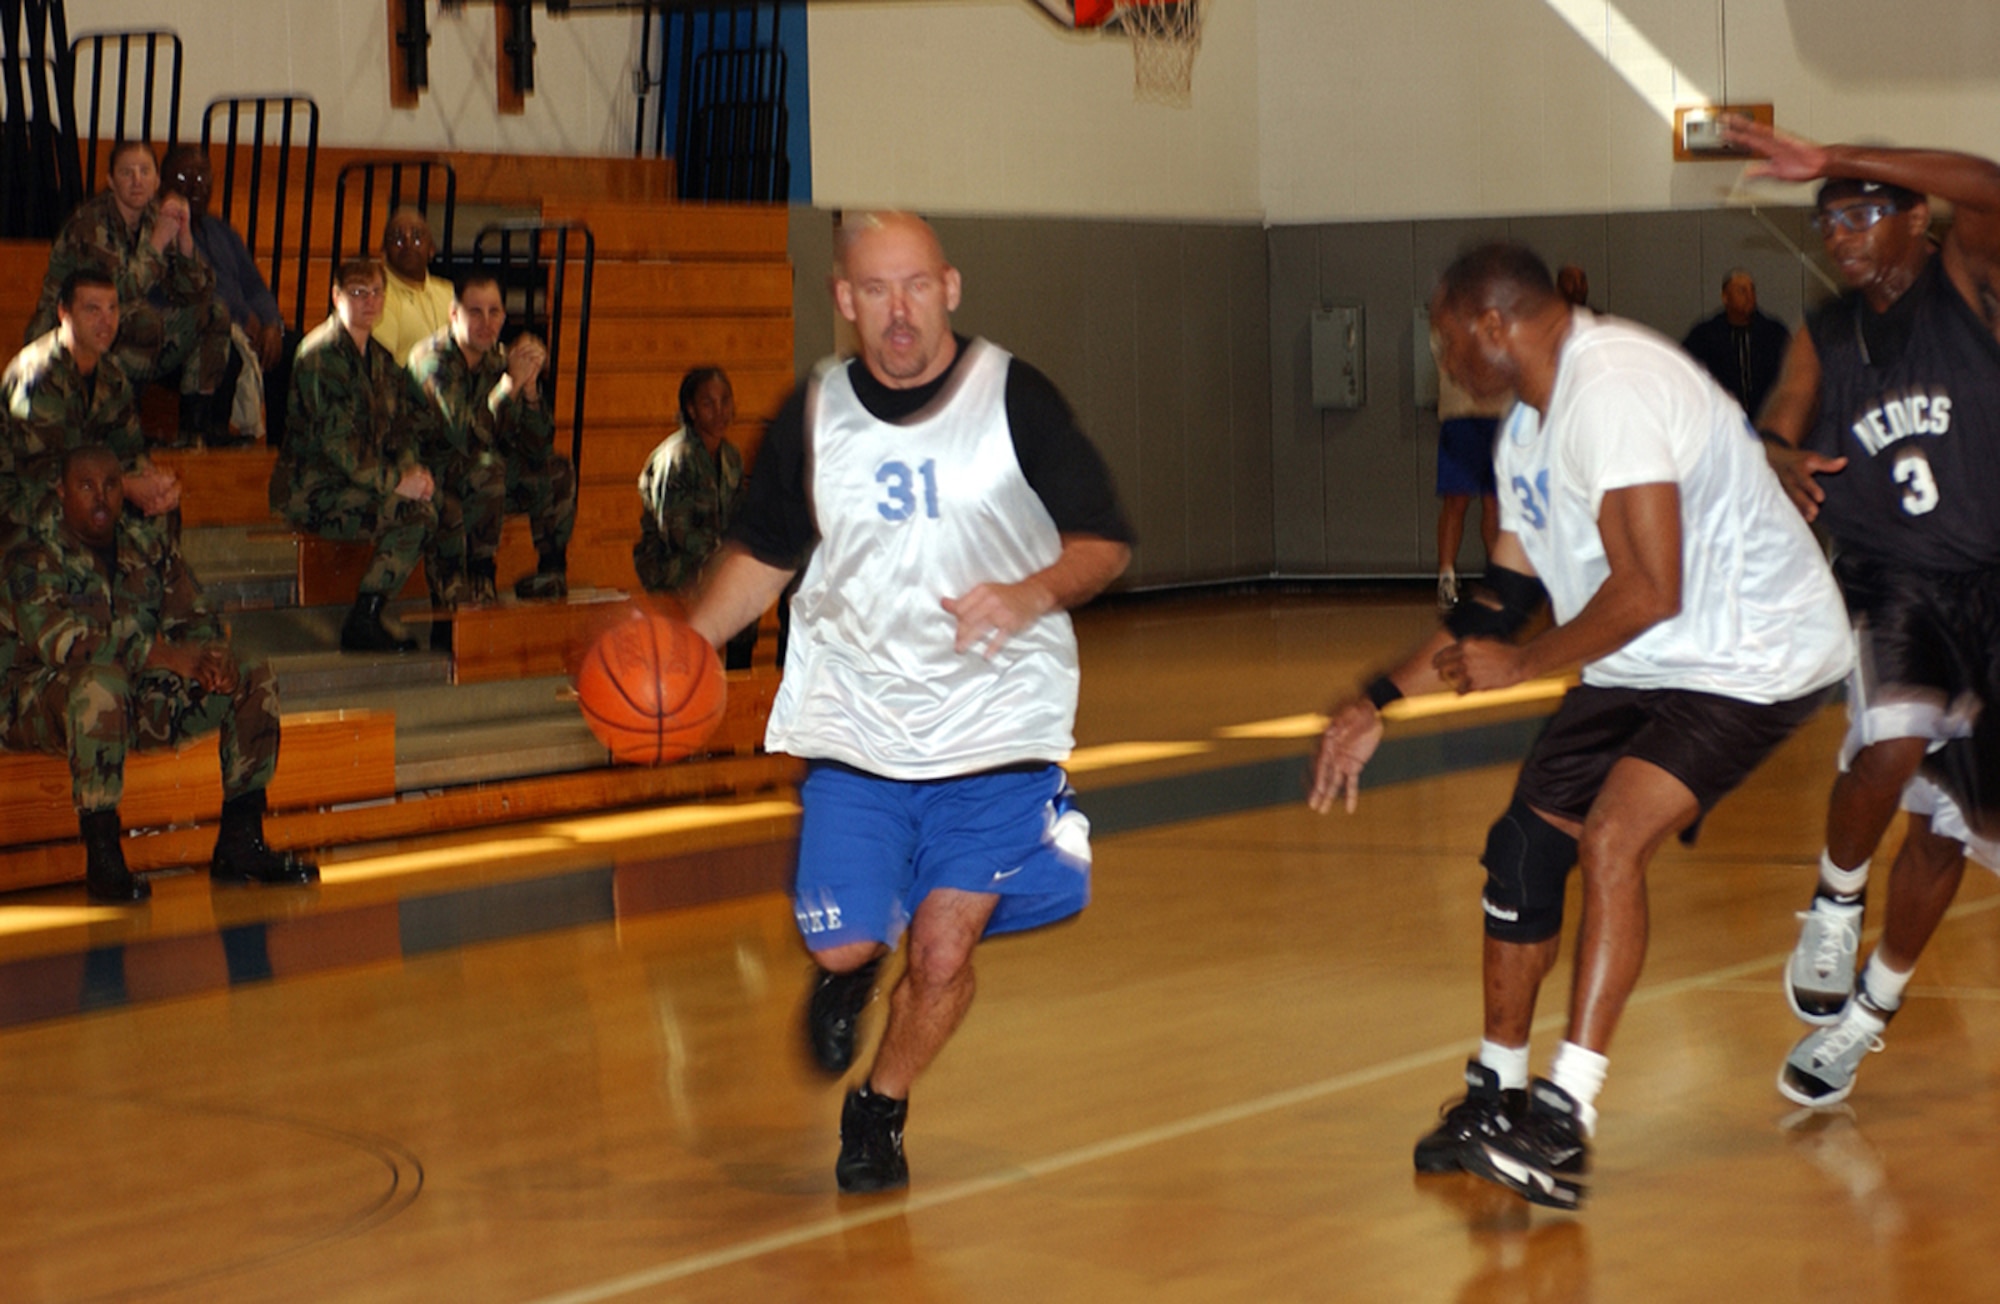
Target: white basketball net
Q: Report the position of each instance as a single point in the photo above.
(1165, 35)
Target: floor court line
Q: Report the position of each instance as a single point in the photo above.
(1729, 977)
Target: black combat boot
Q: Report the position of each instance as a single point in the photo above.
(550, 580)
(241, 855)
(104, 874)
(447, 591)
(481, 582)
(363, 630)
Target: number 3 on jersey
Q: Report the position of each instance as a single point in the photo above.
(1913, 471)
(899, 500)
(1534, 498)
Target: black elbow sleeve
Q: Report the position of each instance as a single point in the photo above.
(1514, 598)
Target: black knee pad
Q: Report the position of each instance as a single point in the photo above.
(1527, 864)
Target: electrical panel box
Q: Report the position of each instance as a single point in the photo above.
(1339, 358)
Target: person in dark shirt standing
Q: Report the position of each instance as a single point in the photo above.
(1741, 347)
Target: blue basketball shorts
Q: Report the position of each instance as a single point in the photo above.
(1465, 457)
(871, 849)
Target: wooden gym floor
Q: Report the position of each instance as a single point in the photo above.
(1204, 1089)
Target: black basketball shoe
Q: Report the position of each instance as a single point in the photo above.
(836, 1005)
(1469, 1120)
(1541, 1155)
(871, 1144)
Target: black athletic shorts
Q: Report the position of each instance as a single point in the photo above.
(1938, 631)
(1707, 741)
(1926, 629)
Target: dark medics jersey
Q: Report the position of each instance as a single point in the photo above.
(1911, 398)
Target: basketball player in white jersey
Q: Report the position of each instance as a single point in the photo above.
(953, 514)
(1707, 626)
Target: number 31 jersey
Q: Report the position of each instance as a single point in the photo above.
(910, 513)
(1760, 618)
(1920, 432)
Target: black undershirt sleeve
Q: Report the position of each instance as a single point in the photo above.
(775, 522)
(1062, 466)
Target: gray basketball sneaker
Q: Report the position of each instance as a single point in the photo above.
(1821, 1068)
(1819, 978)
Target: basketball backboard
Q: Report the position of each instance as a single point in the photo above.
(1076, 14)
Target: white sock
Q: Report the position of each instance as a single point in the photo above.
(1580, 1072)
(1509, 1062)
(1883, 985)
(1859, 1014)
(1848, 883)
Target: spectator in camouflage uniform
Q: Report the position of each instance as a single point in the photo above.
(688, 494)
(349, 467)
(64, 391)
(489, 442)
(106, 646)
(170, 323)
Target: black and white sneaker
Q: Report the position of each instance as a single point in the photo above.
(1469, 1120)
(871, 1144)
(832, 1012)
(1541, 1156)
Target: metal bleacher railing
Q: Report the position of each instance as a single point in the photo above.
(710, 85)
(39, 178)
(134, 103)
(130, 94)
(372, 189)
(275, 219)
(734, 146)
(532, 261)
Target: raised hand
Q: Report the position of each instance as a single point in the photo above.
(1779, 154)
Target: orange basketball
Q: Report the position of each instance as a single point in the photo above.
(651, 689)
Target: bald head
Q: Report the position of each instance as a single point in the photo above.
(858, 228)
(893, 283)
(1739, 297)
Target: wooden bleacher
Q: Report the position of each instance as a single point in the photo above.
(326, 759)
(222, 486)
(675, 288)
(23, 263)
(336, 785)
